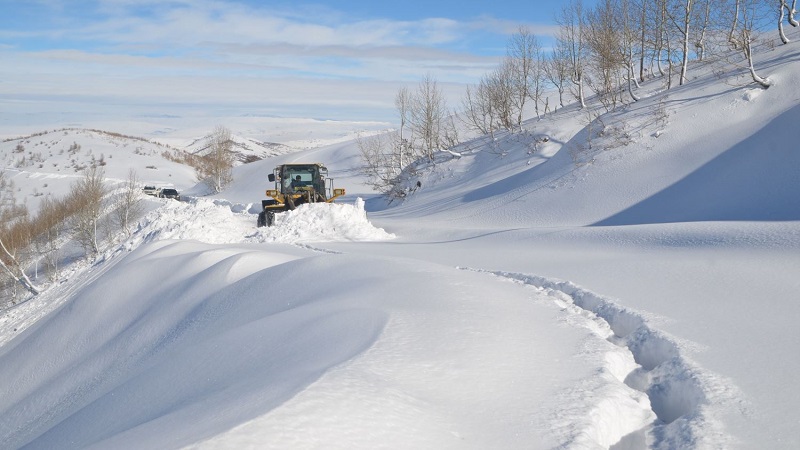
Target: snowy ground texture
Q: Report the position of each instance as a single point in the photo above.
(641, 292)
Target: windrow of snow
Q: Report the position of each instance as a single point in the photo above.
(322, 222)
(221, 222)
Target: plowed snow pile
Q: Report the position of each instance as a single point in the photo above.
(318, 222)
(220, 222)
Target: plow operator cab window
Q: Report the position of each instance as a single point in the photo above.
(299, 177)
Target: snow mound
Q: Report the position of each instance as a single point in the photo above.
(316, 222)
(215, 221)
(199, 219)
(222, 351)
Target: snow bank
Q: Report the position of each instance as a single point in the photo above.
(222, 222)
(178, 341)
(322, 222)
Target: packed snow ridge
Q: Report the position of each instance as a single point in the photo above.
(217, 221)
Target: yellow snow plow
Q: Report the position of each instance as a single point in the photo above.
(296, 184)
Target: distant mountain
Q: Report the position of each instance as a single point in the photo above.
(247, 150)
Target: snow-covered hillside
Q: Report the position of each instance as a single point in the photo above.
(48, 162)
(264, 137)
(629, 282)
(246, 150)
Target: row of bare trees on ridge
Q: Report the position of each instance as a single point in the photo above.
(86, 216)
(602, 53)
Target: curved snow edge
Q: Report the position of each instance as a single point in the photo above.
(679, 391)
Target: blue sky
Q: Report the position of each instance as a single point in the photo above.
(334, 59)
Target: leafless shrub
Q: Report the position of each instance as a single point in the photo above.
(127, 205)
(215, 168)
(86, 200)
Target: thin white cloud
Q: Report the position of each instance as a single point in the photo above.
(509, 27)
(237, 39)
(178, 25)
(211, 51)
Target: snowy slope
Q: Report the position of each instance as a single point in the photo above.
(48, 162)
(627, 283)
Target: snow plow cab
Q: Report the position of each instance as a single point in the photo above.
(296, 184)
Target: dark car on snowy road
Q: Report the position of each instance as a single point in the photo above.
(169, 193)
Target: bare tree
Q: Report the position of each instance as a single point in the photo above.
(682, 21)
(450, 136)
(128, 204)
(658, 35)
(15, 270)
(15, 239)
(572, 36)
(387, 156)
(703, 22)
(526, 71)
(557, 69)
(428, 111)
(50, 226)
(478, 109)
(783, 7)
(605, 39)
(732, 35)
(502, 89)
(630, 37)
(86, 197)
(495, 102)
(402, 101)
(384, 155)
(750, 17)
(643, 36)
(380, 158)
(215, 168)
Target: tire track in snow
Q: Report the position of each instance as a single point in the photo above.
(679, 392)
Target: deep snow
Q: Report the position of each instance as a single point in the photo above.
(630, 283)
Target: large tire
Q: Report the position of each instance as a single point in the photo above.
(262, 219)
(270, 218)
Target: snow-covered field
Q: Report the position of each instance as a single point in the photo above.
(638, 292)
